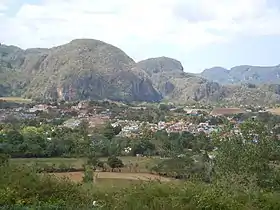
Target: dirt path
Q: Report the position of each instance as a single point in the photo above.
(78, 176)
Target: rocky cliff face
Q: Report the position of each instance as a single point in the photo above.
(92, 69)
(173, 83)
(243, 74)
(166, 65)
(81, 69)
(162, 71)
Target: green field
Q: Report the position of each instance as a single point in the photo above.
(104, 180)
(144, 162)
(16, 99)
(111, 184)
(75, 162)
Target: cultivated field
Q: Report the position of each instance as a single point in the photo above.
(16, 99)
(275, 111)
(226, 111)
(102, 179)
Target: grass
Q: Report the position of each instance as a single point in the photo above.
(75, 162)
(104, 180)
(21, 188)
(16, 99)
(143, 162)
(104, 184)
(113, 177)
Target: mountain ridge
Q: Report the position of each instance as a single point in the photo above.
(82, 68)
(243, 74)
(93, 69)
(176, 85)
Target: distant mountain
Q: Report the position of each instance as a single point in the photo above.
(162, 71)
(92, 69)
(81, 69)
(243, 74)
(175, 85)
(251, 94)
(161, 65)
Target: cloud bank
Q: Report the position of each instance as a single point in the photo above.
(141, 28)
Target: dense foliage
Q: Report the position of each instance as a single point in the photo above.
(34, 138)
(225, 170)
(47, 192)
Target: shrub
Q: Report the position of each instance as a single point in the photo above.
(4, 159)
(21, 186)
(88, 174)
(115, 162)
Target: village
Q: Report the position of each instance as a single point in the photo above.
(96, 114)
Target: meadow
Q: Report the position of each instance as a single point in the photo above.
(144, 163)
(16, 99)
(102, 179)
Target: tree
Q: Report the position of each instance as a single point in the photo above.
(88, 174)
(143, 147)
(186, 167)
(35, 141)
(115, 162)
(4, 159)
(202, 142)
(92, 160)
(83, 127)
(109, 132)
(117, 129)
(163, 107)
(14, 137)
(187, 140)
(247, 156)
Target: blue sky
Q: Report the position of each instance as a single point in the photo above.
(199, 33)
(259, 50)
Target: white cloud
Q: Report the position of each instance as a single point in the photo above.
(139, 27)
(3, 7)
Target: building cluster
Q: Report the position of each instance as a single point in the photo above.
(134, 128)
(98, 115)
(77, 113)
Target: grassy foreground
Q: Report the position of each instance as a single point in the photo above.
(20, 188)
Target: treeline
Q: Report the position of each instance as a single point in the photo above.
(251, 157)
(242, 178)
(34, 138)
(231, 171)
(41, 141)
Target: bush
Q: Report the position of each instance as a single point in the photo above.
(20, 186)
(115, 162)
(4, 159)
(190, 195)
(88, 174)
(40, 168)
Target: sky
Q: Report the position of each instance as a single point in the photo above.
(199, 33)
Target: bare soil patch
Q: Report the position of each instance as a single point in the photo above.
(275, 111)
(227, 111)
